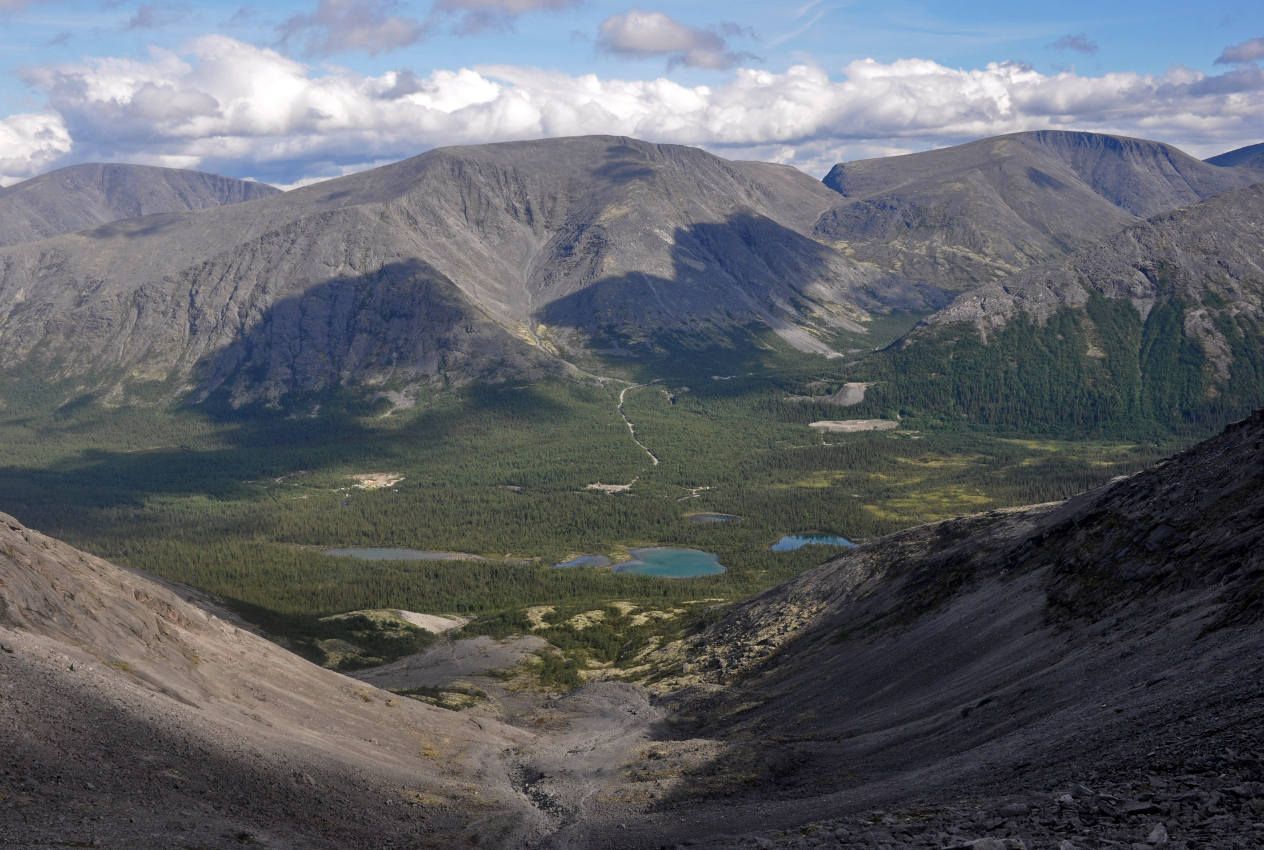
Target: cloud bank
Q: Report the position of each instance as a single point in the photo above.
(243, 110)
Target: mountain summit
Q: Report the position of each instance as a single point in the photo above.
(976, 212)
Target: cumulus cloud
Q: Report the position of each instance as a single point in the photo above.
(1247, 51)
(30, 144)
(1079, 42)
(639, 33)
(239, 109)
(341, 25)
(475, 16)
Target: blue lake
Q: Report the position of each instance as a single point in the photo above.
(586, 561)
(797, 541)
(671, 562)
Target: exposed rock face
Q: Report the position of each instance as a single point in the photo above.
(460, 264)
(83, 196)
(962, 678)
(977, 212)
(129, 717)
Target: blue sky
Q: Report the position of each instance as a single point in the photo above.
(297, 91)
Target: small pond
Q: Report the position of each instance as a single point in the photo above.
(671, 562)
(706, 517)
(586, 561)
(797, 541)
(386, 553)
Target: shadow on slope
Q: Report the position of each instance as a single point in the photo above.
(402, 326)
(732, 283)
(1115, 635)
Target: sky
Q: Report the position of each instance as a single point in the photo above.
(297, 91)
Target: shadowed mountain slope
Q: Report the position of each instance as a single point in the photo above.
(131, 718)
(966, 674)
(1251, 156)
(504, 232)
(963, 215)
(83, 196)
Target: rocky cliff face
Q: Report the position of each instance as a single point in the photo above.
(977, 212)
(461, 264)
(84, 196)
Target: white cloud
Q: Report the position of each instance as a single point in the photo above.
(642, 34)
(1247, 51)
(231, 107)
(30, 144)
(340, 25)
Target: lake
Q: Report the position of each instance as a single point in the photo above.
(797, 541)
(386, 553)
(671, 562)
(714, 518)
(586, 561)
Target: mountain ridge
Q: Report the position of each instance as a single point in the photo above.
(976, 212)
(540, 246)
(80, 197)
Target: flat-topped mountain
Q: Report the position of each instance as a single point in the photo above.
(82, 196)
(977, 212)
(470, 263)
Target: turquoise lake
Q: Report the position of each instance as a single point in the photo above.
(797, 541)
(586, 561)
(671, 562)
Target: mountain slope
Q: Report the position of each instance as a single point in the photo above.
(461, 264)
(1251, 156)
(83, 196)
(1162, 325)
(976, 212)
(965, 675)
(133, 718)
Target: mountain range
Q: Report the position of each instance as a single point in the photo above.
(523, 260)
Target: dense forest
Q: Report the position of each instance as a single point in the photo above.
(242, 508)
(1098, 371)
